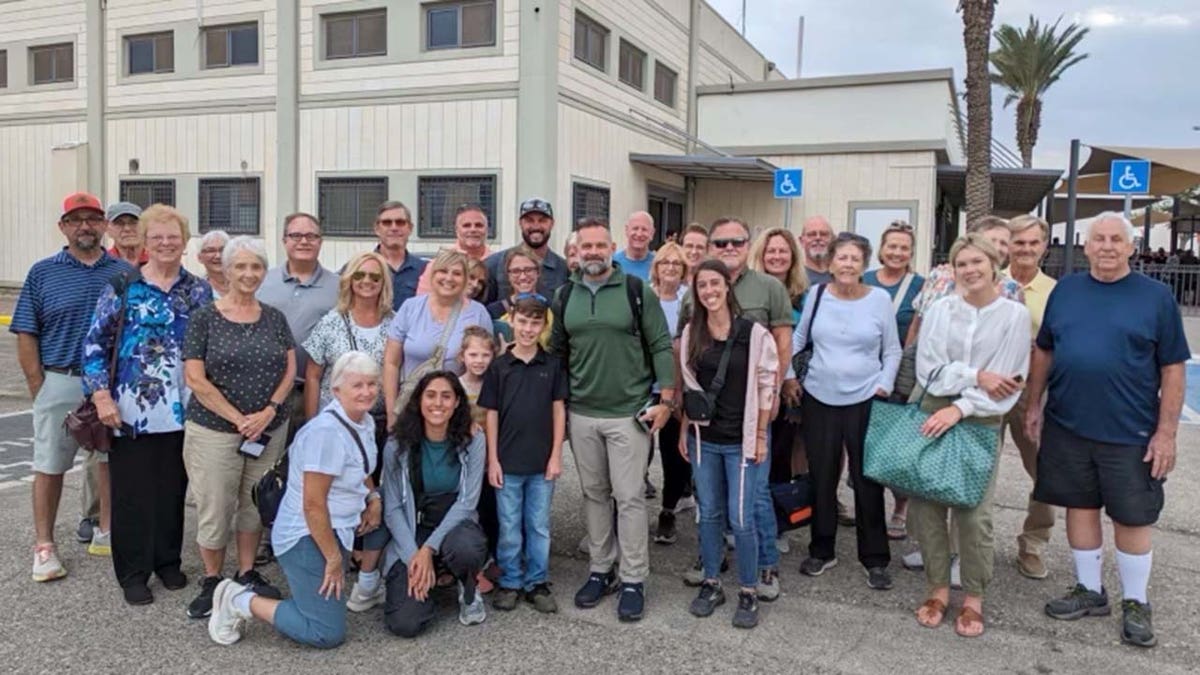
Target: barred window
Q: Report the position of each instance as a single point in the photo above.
(147, 192)
(347, 206)
(230, 204)
(438, 197)
(588, 201)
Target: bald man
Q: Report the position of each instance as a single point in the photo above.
(637, 258)
(814, 239)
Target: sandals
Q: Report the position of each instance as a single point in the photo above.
(932, 605)
(968, 617)
(897, 528)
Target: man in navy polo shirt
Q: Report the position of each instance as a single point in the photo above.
(1116, 385)
(393, 226)
(52, 317)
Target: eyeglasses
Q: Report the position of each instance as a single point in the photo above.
(373, 276)
(310, 237)
(393, 222)
(211, 251)
(522, 271)
(167, 238)
(76, 221)
(672, 263)
(736, 242)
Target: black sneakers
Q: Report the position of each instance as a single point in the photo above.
(879, 579)
(258, 584)
(172, 578)
(815, 567)
(666, 533)
(202, 605)
(711, 597)
(598, 585)
(1078, 603)
(746, 615)
(138, 594)
(1136, 626)
(632, 602)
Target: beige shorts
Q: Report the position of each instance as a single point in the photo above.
(220, 479)
(53, 448)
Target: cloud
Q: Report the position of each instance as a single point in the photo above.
(1109, 17)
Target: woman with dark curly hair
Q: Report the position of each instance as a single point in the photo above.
(433, 471)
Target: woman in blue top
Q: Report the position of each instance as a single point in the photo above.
(144, 404)
(432, 476)
(330, 496)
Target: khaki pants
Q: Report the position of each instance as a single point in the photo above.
(976, 543)
(611, 456)
(220, 479)
(1039, 517)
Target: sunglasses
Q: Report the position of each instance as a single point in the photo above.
(736, 242)
(537, 297)
(373, 276)
(899, 226)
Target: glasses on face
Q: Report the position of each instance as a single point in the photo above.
(211, 251)
(670, 263)
(297, 237)
(522, 271)
(76, 221)
(393, 222)
(361, 274)
(736, 242)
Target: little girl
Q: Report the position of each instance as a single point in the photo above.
(478, 350)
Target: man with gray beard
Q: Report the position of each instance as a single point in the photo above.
(814, 239)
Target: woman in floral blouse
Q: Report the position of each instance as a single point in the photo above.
(144, 403)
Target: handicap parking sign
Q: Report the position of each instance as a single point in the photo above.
(1129, 177)
(789, 183)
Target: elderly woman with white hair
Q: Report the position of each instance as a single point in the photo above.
(212, 243)
(330, 496)
(240, 363)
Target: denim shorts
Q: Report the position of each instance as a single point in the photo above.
(1080, 473)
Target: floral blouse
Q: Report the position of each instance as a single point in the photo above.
(149, 391)
(331, 338)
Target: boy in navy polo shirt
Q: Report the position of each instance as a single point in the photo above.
(525, 454)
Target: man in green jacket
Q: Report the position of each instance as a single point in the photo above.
(616, 345)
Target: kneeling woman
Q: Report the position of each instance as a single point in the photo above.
(732, 443)
(432, 475)
(973, 351)
(329, 497)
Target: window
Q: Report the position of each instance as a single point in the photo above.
(349, 36)
(147, 192)
(438, 197)
(588, 201)
(632, 68)
(234, 45)
(151, 53)
(591, 42)
(53, 63)
(664, 84)
(460, 24)
(229, 204)
(346, 206)
(3, 69)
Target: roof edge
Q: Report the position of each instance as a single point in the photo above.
(857, 80)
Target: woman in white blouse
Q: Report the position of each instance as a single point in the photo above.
(973, 356)
(856, 351)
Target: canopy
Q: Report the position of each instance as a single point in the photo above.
(1172, 170)
(709, 166)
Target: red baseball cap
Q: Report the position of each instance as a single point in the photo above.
(81, 200)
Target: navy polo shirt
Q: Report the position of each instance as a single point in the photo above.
(554, 274)
(1110, 340)
(523, 395)
(405, 277)
(57, 302)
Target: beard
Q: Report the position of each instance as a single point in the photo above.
(818, 253)
(594, 268)
(87, 242)
(534, 238)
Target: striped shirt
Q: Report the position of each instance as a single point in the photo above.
(57, 302)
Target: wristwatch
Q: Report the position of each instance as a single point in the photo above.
(671, 404)
(373, 495)
(278, 408)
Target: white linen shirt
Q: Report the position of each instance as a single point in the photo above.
(963, 340)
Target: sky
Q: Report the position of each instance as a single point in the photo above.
(1137, 87)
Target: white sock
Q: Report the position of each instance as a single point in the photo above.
(1135, 574)
(241, 602)
(1088, 568)
(368, 581)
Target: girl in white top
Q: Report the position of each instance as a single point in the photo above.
(975, 346)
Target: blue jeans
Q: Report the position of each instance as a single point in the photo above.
(764, 516)
(306, 617)
(523, 505)
(727, 484)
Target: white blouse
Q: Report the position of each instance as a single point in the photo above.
(963, 340)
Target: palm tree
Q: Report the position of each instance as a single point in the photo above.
(977, 32)
(1026, 62)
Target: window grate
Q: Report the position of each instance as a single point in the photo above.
(347, 206)
(589, 201)
(147, 192)
(438, 197)
(230, 204)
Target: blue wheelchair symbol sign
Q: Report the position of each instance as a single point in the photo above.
(1129, 177)
(789, 183)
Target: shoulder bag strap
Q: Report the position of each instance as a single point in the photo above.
(350, 331)
(901, 292)
(813, 318)
(362, 450)
(440, 351)
(116, 350)
(718, 381)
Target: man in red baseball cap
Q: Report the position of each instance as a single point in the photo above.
(52, 316)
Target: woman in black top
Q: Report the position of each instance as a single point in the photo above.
(728, 449)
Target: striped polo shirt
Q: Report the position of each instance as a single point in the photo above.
(57, 302)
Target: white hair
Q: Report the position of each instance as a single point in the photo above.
(352, 363)
(1130, 230)
(243, 243)
(213, 236)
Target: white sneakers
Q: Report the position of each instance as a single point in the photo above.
(46, 565)
(472, 613)
(361, 601)
(225, 624)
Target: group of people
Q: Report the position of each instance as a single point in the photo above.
(422, 408)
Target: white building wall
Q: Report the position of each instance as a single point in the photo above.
(25, 23)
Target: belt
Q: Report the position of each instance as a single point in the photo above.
(72, 371)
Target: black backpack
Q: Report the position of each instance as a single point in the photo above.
(633, 292)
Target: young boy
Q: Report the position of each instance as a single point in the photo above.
(525, 455)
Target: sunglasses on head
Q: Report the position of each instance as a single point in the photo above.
(850, 236)
(537, 297)
(899, 226)
(373, 276)
(736, 242)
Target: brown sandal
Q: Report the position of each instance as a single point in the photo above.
(966, 617)
(932, 605)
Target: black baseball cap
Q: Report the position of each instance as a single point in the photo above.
(536, 205)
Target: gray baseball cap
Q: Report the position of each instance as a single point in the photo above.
(123, 209)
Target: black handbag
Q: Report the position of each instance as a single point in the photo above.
(793, 503)
(267, 493)
(801, 358)
(700, 405)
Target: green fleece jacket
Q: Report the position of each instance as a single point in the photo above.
(608, 371)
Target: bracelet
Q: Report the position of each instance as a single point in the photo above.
(671, 404)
